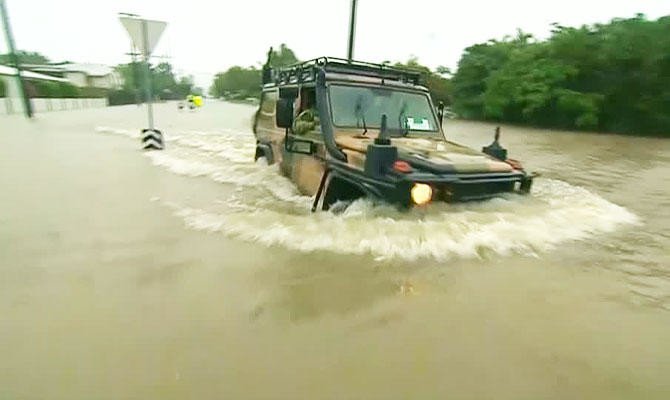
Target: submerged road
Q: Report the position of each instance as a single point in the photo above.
(197, 273)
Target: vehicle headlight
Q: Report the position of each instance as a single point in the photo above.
(421, 193)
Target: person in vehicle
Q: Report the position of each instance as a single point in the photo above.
(308, 117)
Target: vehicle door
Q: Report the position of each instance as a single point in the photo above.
(304, 149)
(265, 126)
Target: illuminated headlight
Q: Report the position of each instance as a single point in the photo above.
(421, 193)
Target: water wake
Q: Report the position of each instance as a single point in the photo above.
(268, 209)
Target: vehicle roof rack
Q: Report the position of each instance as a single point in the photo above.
(307, 71)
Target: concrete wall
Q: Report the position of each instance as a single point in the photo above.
(11, 86)
(76, 78)
(106, 82)
(14, 105)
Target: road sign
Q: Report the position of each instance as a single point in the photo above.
(145, 34)
(154, 30)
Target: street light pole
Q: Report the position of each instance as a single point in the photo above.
(14, 59)
(352, 31)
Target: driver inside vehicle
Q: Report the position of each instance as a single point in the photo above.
(308, 116)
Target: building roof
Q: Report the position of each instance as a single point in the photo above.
(11, 71)
(87, 68)
(95, 70)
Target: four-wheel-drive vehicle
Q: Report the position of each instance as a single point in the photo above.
(344, 130)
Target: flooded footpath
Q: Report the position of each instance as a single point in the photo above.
(197, 273)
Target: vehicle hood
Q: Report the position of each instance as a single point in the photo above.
(433, 154)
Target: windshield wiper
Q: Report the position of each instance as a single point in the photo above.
(360, 115)
(404, 125)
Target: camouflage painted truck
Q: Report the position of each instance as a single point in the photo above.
(345, 130)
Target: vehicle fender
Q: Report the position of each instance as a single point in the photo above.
(264, 150)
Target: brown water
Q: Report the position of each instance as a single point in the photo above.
(195, 273)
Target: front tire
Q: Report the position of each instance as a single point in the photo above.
(264, 151)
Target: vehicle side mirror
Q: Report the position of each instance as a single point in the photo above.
(284, 115)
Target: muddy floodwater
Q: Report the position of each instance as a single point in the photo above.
(195, 273)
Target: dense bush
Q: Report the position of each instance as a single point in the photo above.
(123, 96)
(3, 91)
(611, 77)
(50, 89)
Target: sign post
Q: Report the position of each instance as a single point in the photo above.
(145, 35)
(27, 106)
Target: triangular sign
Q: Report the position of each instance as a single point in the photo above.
(135, 29)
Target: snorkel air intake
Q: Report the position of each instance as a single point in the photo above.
(325, 117)
(381, 154)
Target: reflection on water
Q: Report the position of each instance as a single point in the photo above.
(196, 273)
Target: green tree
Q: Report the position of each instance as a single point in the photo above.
(25, 57)
(476, 65)
(237, 82)
(163, 81)
(282, 57)
(612, 77)
(165, 84)
(184, 87)
(440, 87)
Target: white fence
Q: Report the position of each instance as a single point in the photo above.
(13, 105)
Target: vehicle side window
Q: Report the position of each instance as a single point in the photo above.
(307, 118)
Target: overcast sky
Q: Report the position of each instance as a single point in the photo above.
(207, 36)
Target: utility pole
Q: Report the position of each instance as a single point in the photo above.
(14, 59)
(352, 31)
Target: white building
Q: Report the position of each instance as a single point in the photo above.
(12, 103)
(92, 75)
(82, 74)
(8, 75)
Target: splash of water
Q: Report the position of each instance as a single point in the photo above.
(555, 212)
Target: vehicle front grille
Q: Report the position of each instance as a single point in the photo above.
(474, 190)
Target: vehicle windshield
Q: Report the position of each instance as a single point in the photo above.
(362, 107)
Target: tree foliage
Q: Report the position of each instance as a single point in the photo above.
(25, 57)
(610, 77)
(53, 89)
(282, 57)
(165, 84)
(240, 82)
(237, 82)
(439, 86)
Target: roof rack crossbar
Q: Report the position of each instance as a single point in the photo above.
(307, 71)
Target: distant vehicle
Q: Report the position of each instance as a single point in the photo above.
(344, 130)
(193, 101)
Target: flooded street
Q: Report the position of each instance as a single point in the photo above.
(195, 273)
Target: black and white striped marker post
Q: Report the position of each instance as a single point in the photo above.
(152, 139)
